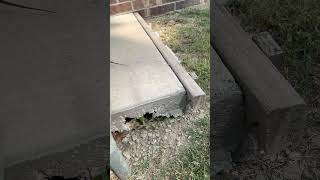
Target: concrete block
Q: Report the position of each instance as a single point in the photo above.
(271, 103)
(269, 47)
(227, 106)
(227, 127)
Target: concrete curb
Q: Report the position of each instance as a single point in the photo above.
(195, 94)
(272, 105)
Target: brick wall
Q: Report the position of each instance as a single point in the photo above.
(148, 8)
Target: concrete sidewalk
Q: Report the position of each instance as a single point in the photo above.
(142, 81)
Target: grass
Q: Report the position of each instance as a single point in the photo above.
(193, 161)
(189, 38)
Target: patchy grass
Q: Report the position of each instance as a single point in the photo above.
(187, 33)
(193, 160)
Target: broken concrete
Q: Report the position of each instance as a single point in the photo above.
(53, 80)
(142, 81)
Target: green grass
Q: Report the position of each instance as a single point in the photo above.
(193, 161)
(295, 25)
(190, 40)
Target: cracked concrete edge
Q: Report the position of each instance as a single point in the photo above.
(170, 106)
(195, 94)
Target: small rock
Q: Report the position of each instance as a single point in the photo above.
(169, 126)
(143, 135)
(171, 23)
(126, 154)
(125, 140)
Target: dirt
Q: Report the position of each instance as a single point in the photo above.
(151, 145)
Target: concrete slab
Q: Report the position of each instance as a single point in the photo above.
(53, 78)
(142, 81)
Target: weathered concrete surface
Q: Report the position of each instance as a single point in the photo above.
(143, 81)
(227, 115)
(227, 106)
(269, 47)
(195, 95)
(53, 75)
(272, 105)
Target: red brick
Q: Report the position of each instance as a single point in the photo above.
(168, 1)
(113, 1)
(120, 8)
(152, 3)
(186, 3)
(161, 9)
(138, 4)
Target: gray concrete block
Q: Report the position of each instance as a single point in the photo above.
(227, 127)
(272, 105)
(269, 47)
(227, 106)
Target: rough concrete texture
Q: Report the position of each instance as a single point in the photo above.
(227, 106)
(195, 94)
(53, 73)
(227, 115)
(269, 47)
(142, 81)
(272, 105)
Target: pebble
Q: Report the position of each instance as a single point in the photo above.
(127, 155)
